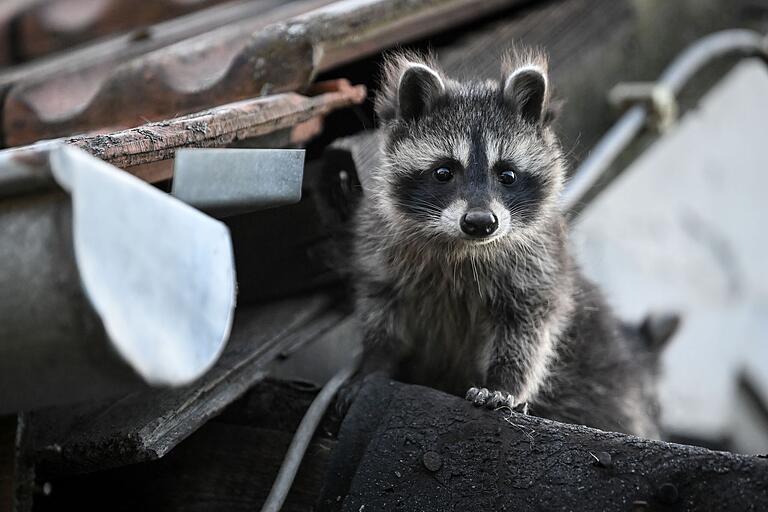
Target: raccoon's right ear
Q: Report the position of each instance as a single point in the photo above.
(526, 90)
(410, 88)
(418, 89)
(526, 84)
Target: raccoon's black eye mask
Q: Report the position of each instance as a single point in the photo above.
(444, 171)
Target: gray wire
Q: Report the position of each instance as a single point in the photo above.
(303, 436)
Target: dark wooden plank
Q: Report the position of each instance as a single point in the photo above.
(229, 464)
(47, 27)
(145, 426)
(417, 449)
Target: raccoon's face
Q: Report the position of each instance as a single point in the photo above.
(469, 163)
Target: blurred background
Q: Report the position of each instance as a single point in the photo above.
(670, 220)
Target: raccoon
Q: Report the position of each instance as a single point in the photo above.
(464, 278)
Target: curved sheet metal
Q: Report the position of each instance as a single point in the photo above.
(107, 287)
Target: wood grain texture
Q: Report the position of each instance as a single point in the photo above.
(218, 127)
(9, 11)
(418, 449)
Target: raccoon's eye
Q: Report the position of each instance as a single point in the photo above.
(507, 177)
(442, 174)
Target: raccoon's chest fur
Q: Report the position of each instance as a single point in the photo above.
(444, 333)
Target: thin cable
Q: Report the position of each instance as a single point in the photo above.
(303, 436)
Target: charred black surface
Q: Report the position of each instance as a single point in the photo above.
(417, 449)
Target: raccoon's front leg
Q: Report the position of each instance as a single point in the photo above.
(515, 364)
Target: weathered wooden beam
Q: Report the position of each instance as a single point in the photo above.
(413, 448)
(218, 127)
(296, 136)
(223, 66)
(146, 425)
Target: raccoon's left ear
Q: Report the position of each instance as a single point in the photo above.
(526, 89)
(411, 84)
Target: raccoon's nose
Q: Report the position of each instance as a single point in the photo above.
(479, 223)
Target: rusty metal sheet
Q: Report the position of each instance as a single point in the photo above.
(92, 63)
(214, 68)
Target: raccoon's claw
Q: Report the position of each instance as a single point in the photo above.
(483, 397)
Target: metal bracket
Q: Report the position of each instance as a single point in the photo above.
(225, 182)
(657, 97)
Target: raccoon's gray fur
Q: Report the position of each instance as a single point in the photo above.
(492, 300)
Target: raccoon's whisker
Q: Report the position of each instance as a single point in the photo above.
(474, 272)
(420, 205)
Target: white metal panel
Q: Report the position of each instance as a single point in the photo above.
(684, 228)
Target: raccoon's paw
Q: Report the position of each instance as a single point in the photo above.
(484, 397)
